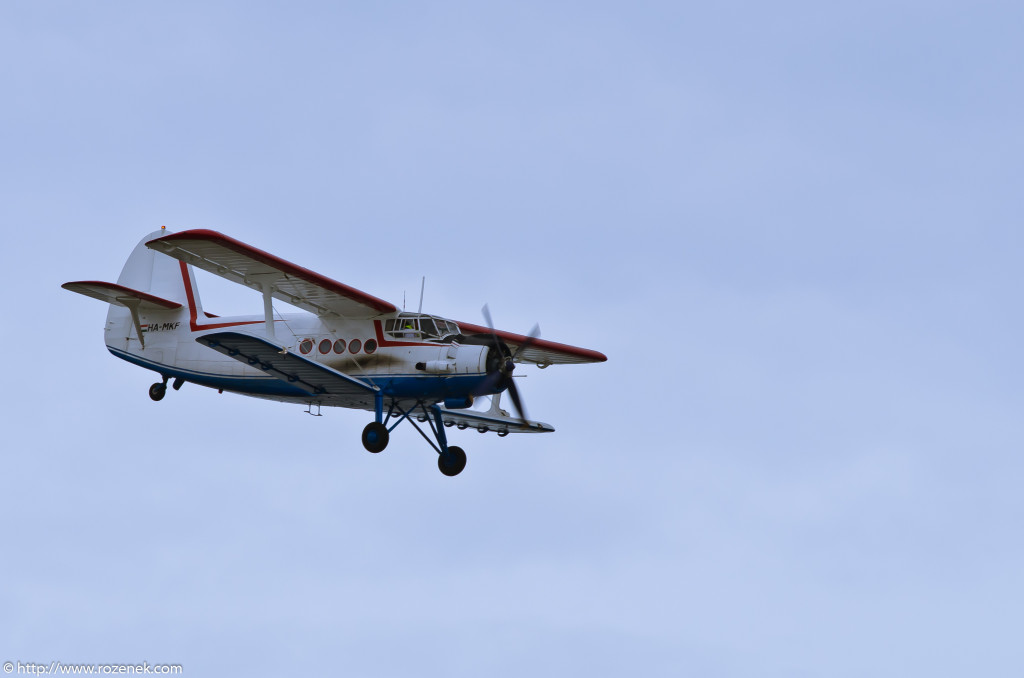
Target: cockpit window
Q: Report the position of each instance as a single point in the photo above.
(422, 327)
(402, 327)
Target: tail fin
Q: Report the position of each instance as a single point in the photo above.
(158, 274)
(152, 273)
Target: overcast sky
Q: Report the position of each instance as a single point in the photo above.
(794, 228)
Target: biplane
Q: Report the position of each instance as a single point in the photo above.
(345, 349)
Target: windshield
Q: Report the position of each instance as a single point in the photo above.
(410, 325)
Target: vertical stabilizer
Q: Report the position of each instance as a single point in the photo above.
(151, 272)
(158, 274)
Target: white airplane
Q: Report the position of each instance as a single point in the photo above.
(349, 349)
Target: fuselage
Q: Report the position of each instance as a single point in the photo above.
(408, 356)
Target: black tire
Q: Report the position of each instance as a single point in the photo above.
(157, 391)
(375, 437)
(452, 462)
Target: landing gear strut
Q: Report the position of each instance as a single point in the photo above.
(450, 460)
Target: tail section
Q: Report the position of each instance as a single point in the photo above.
(158, 274)
(153, 274)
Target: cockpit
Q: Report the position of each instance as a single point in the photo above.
(420, 326)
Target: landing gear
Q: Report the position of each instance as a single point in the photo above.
(375, 437)
(451, 461)
(158, 390)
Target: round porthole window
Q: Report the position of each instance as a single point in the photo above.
(370, 346)
(325, 346)
(354, 346)
(306, 346)
(339, 346)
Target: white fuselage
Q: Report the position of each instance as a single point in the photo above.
(402, 364)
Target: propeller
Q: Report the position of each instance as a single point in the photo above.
(502, 374)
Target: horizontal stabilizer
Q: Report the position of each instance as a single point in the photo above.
(120, 295)
(318, 380)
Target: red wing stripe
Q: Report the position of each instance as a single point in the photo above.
(586, 353)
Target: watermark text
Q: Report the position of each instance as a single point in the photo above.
(59, 668)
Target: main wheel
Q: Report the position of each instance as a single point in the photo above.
(157, 391)
(375, 437)
(452, 462)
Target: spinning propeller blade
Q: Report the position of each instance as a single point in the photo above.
(530, 339)
(506, 363)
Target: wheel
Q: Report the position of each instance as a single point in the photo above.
(452, 462)
(375, 437)
(157, 391)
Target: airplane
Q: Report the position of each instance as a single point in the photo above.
(346, 349)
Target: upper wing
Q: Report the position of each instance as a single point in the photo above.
(329, 385)
(120, 295)
(540, 351)
(244, 264)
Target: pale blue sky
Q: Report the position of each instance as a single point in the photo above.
(793, 228)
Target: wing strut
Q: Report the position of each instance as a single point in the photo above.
(268, 310)
(266, 282)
